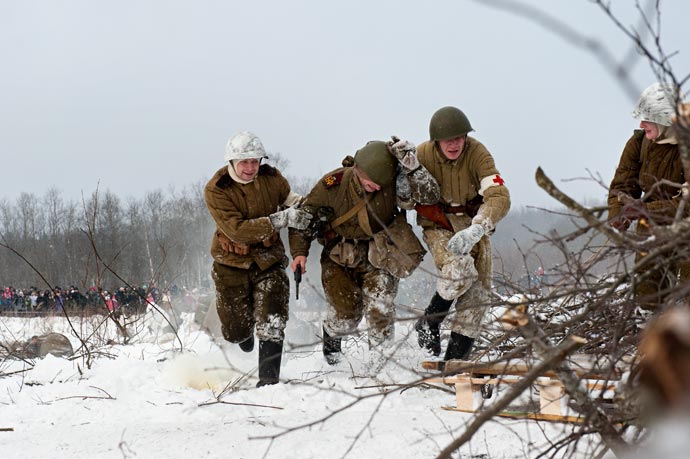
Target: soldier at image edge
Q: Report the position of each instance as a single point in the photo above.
(642, 190)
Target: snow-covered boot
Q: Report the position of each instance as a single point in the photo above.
(270, 353)
(332, 349)
(428, 334)
(248, 344)
(459, 347)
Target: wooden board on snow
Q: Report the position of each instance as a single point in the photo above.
(583, 365)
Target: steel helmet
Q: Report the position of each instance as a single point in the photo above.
(244, 145)
(377, 162)
(448, 123)
(657, 104)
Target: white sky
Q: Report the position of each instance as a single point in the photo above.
(142, 95)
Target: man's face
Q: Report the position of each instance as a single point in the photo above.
(452, 148)
(651, 130)
(369, 185)
(247, 169)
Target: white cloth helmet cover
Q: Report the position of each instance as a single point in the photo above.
(657, 104)
(244, 145)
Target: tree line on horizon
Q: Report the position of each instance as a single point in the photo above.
(163, 239)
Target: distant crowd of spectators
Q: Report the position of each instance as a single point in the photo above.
(130, 299)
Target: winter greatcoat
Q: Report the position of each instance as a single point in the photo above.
(643, 164)
(251, 288)
(353, 286)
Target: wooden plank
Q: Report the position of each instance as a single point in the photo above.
(524, 415)
(474, 380)
(514, 368)
(551, 394)
(592, 384)
(464, 395)
(435, 365)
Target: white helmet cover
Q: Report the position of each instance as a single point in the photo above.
(657, 104)
(244, 145)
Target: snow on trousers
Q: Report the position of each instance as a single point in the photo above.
(466, 278)
(355, 292)
(249, 297)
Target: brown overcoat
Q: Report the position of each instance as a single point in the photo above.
(340, 190)
(642, 167)
(460, 179)
(241, 213)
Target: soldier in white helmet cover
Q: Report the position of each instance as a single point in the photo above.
(250, 203)
(646, 186)
(474, 199)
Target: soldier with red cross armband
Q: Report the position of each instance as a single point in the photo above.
(474, 198)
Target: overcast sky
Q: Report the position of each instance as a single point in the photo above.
(141, 95)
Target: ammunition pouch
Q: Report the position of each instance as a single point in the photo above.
(396, 248)
(347, 253)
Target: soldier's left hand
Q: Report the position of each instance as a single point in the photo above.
(406, 153)
(635, 210)
(464, 240)
(291, 217)
(224, 241)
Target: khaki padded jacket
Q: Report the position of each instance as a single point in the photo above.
(461, 179)
(340, 189)
(241, 212)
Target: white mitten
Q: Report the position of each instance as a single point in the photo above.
(464, 240)
(291, 217)
(406, 153)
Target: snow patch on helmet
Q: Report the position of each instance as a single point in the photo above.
(656, 104)
(244, 145)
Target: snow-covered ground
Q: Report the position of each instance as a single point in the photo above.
(148, 399)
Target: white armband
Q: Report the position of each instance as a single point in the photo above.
(489, 181)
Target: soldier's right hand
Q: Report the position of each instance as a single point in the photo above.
(291, 217)
(299, 260)
(224, 241)
(621, 224)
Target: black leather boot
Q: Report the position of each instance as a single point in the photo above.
(248, 344)
(459, 347)
(428, 334)
(270, 353)
(332, 349)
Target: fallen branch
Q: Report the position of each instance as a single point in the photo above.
(240, 404)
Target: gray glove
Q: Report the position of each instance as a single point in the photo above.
(405, 152)
(402, 187)
(291, 217)
(464, 240)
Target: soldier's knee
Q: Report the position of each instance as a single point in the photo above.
(272, 329)
(340, 325)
